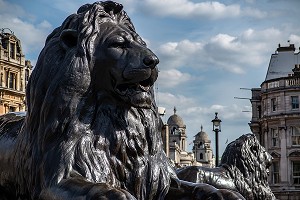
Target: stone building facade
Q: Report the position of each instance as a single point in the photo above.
(276, 120)
(14, 73)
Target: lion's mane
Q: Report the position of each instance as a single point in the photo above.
(247, 161)
(69, 132)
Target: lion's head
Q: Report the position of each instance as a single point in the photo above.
(248, 162)
(118, 63)
(91, 108)
(128, 66)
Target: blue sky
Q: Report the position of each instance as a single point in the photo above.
(208, 50)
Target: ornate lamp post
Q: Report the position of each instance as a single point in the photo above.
(217, 128)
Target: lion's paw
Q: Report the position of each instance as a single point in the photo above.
(105, 192)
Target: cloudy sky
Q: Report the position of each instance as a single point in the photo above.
(208, 50)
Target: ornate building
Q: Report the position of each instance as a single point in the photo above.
(177, 142)
(175, 139)
(202, 149)
(14, 73)
(276, 120)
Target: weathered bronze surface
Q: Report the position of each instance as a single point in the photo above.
(244, 168)
(92, 130)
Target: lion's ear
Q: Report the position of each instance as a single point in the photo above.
(68, 38)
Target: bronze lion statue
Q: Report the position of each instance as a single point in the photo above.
(244, 168)
(92, 130)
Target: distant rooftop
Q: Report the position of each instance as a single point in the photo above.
(282, 62)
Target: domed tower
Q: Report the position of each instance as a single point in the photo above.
(202, 149)
(177, 131)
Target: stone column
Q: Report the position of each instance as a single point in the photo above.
(167, 145)
(283, 157)
(18, 81)
(266, 141)
(2, 79)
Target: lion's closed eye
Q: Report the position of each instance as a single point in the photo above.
(117, 42)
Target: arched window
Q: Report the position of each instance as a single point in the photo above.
(201, 156)
(200, 144)
(173, 131)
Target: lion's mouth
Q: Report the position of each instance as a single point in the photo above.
(129, 88)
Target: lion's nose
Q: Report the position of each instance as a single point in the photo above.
(151, 61)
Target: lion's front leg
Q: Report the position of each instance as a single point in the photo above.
(78, 188)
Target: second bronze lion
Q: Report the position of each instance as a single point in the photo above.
(244, 168)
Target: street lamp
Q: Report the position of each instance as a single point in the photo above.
(217, 128)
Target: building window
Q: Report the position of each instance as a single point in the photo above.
(295, 132)
(259, 111)
(4, 44)
(275, 175)
(7, 78)
(273, 84)
(26, 75)
(11, 80)
(12, 50)
(11, 109)
(275, 139)
(175, 131)
(200, 145)
(201, 156)
(273, 104)
(295, 102)
(296, 172)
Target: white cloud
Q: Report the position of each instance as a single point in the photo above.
(250, 1)
(44, 25)
(170, 100)
(265, 35)
(234, 112)
(218, 107)
(238, 53)
(295, 39)
(172, 78)
(32, 35)
(187, 9)
(189, 108)
(233, 53)
(6, 7)
(225, 41)
(178, 54)
(176, 48)
(252, 12)
(208, 9)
